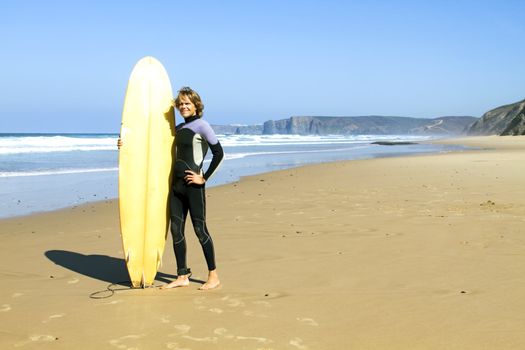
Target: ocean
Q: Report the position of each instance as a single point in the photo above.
(43, 172)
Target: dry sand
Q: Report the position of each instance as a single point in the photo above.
(422, 252)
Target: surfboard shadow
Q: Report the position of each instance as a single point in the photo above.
(101, 267)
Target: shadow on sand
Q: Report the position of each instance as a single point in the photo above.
(101, 267)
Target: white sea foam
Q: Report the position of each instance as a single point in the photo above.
(282, 140)
(48, 144)
(55, 172)
(228, 156)
(65, 143)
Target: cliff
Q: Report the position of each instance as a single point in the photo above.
(378, 125)
(516, 126)
(504, 120)
(238, 129)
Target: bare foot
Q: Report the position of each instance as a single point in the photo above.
(181, 281)
(213, 281)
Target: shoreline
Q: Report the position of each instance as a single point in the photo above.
(488, 143)
(416, 252)
(89, 195)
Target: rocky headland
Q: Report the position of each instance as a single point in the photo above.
(361, 125)
(368, 125)
(505, 120)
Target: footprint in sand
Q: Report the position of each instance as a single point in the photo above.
(232, 302)
(118, 343)
(205, 339)
(5, 308)
(198, 302)
(257, 339)
(37, 338)
(298, 343)
(223, 332)
(251, 313)
(175, 346)
(112, 302)
(262, 302)
(308, 321)
(52, 317)
(181, 329)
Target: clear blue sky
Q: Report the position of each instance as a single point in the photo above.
(64, 65)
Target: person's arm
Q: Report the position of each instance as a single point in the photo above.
(217, 156)
(216, 149)
(216, 160)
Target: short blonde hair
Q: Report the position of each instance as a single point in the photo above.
(193, 96)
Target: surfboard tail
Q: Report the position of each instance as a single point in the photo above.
(132, 271)
(143, 280)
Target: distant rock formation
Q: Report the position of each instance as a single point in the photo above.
(394, 143)
(238, 129)
(367, 125)
(504, 120)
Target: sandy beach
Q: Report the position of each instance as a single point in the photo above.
(419, 252)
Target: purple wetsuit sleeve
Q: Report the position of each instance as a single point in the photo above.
(206, 131)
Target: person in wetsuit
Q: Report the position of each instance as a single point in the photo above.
(193, 138)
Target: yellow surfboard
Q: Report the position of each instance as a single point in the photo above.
(145, 162)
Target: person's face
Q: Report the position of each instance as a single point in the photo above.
(186, 107)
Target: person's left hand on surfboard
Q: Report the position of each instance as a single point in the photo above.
(192, 178)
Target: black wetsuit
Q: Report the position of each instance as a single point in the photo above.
(194, 136)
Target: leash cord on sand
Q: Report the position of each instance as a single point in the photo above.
(109, 289)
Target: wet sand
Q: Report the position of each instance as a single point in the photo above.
(420, 252)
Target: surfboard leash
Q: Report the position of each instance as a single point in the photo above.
(112, 290)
